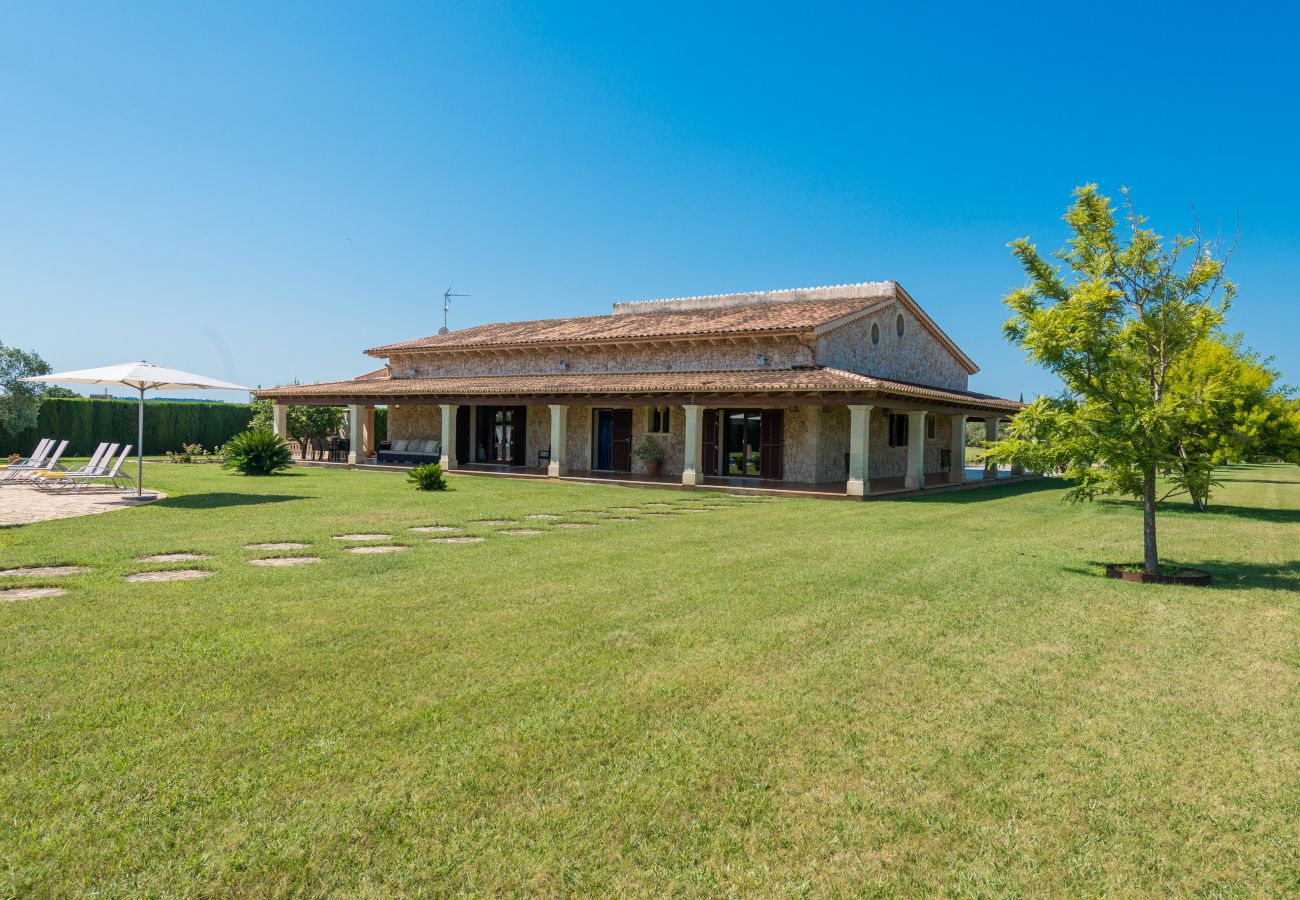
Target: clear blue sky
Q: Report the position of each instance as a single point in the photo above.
(259, 191)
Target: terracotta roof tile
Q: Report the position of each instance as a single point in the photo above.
(758, 381)
(793, 316)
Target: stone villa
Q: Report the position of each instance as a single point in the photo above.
(850, 389)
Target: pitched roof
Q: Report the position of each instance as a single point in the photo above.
(376, 386)
(753, 318)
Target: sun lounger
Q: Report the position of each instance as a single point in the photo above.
(24, 474)
(38, 456)
(108, 474)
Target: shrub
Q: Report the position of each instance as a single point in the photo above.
(428, 477)
(649, 450)
(257, 452)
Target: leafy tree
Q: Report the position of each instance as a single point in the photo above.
(1232, 409)
(302, 422)
(55, 392)
(21, 401)
(1117, 331)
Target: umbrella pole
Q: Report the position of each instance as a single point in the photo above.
(139, 449)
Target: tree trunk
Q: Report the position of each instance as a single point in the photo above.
(1150, 559)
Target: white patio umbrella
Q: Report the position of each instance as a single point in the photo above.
(142, 376)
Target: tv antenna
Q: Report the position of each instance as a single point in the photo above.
(446, 306)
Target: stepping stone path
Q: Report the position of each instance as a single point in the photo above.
(625, 508)
(575, 524)
(362, 537)
(45, 571)
(462, 539)
(30, 593)
(543, 516)
(492, 522)
(657, 504)
(521, 531)
(278, 545)
(287, 560)
(173, 557)
(427, 529)
(169, 575)
(618, 519)
(378, 548)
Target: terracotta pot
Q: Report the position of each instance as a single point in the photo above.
(652, 466)
(1185, 575)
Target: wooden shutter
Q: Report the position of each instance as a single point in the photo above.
(462, 435)
(771, 462)
(710, 440)
(621, 449)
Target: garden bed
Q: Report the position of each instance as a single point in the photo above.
(1167, 574)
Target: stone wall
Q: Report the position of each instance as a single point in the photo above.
(775, 353)
(409, 420)
(917, 356)
(891, 462)
(834, 444)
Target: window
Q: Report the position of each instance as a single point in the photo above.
(899, 324)
(929, 427)
(660, 420)
(898, 429)
(875, 332)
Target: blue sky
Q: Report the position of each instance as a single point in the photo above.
(259, 191)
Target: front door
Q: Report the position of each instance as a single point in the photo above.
(612, 436)
(499, 433)
(751, 443)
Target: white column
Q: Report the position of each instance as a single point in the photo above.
(957, 450)
(368, 445)
(559, 464)
(448, 458)
(915, 479)
(693, 463)
(990, 434)
(356, 434)
(280, 420)
(859, 451)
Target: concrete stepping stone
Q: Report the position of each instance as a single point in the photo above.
(459, 539)
(625, 508)
(657, 504)
(277, 545)
(284, 560)
(44, 571)
(575, 524)
(618, 519)
(521, 531)
(169, 575)
(492, 522)
(378, 548)
(543, 516)
(429, 529)
(32, 593)
(362, 537)
(173, 557)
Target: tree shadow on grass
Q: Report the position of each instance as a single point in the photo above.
(1229, 575)
(1258, 513)
(219, 499)
(984, 493)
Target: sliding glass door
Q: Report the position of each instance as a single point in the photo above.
(742, 439)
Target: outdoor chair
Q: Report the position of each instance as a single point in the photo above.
(42, 450)
(107, 474)
(24, 474)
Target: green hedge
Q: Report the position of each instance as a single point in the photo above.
(84, 423)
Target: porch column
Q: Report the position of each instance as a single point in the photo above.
(990, 434)
(957, 450)
(280, 420)
(559, 464)
(448, 458)
(915, 479)
(859, 451)
(693, 461)
(356, 434)
(368, 437)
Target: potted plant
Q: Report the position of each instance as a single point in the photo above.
(650, 453)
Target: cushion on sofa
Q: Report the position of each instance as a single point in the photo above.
(399, 445)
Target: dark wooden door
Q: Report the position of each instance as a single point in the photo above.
(462, 434)
(519, 443)
(621, 451)
(710, 441)
(771, 463)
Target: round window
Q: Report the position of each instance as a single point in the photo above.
(875, 332)
(899, 324)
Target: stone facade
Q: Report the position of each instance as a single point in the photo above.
(917, 356)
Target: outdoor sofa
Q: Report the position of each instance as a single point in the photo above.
(414, 451)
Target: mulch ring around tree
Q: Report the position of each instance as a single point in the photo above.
(1185, 575)
(173, 557)
(284, 561)
(277, 545)
(168, 575)
(30, 593)
(44, 571)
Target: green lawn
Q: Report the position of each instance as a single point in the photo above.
(936, 695)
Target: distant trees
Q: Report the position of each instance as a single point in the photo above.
(21, 401)
(302, 422)
(1133, 329)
